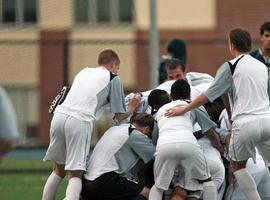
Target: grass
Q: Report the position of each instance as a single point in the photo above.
(24, 178)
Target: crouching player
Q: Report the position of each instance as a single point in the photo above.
(177, 148)
(114, 156)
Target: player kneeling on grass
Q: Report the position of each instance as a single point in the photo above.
(114, 156)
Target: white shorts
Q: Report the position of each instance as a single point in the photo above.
(187, 157)
(262, 180)
(248, 132)
(69, 142)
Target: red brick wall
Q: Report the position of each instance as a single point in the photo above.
(51, 76)
(207, 50)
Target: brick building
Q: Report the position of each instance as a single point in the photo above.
(45, 43)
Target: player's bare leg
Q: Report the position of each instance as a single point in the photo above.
(178, 194)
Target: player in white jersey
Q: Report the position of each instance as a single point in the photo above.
(72, 123)
(116, 154)
(9, 133)
(247, 82)
(257, 169)
(178, 148)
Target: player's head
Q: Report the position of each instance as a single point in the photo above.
(180, 90)
(265, 35)
(109, 59)
(239, 40)
(177, 49)
(158, 98)
(143, 122)
(175, 69)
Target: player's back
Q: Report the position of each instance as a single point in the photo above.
(174, 129)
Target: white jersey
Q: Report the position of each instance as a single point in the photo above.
(119, 150)
(247, 87)
(180, 128)
(102, 159)
(91, 89)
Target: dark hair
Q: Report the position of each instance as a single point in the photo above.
(107, 56)
(265, 27)
(241, 40)
(158, 98)
(180, 90)
(177, 47)
(174, 63)
(143, 119)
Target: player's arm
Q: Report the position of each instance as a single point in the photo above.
(220, 85)
(117, 100)
(142, 145)
(207, 125)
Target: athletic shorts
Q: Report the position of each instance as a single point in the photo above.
(110, 186)
(190, 161)
(248, 132)
(69, 142)
(262, 180)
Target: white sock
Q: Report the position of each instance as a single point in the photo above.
(74, 188)
(51, 186)
(247, 184)
(155, 193)
(209, 190)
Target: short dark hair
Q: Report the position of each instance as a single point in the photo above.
(265, 27)
(173, 63)
(158, 98)
(143, 119)
(241, 40)
(180, 90)
(107, 56)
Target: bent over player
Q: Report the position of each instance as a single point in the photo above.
(72, 123)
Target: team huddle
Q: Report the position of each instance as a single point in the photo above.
(191, 137)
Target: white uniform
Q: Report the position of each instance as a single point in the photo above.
(249, 97)
(177, 146)
(72, 123)
(258, 170)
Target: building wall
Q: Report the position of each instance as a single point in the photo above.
(36, 64)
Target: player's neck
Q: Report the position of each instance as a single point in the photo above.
(266, 52)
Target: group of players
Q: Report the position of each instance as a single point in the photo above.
(163, 138)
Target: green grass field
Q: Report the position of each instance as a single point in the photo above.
(24, 178)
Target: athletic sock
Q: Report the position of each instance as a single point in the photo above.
(155, 193)
(247, 184)
(51, 186)
(209, 190)
(74, 188)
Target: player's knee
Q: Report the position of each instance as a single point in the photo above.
(145, 192)
(178, 194)
(59, 170)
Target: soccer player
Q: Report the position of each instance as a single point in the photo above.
(247, 82)
(9, 133)
(72, 123)
(263, 53)
(178, 148)
(115, 155)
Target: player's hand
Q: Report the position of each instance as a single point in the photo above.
(175, 111)
(136, 101)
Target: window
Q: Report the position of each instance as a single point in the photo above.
(14, 12)
(103, 11)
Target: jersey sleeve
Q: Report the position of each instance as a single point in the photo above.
(142, 145)
(221, 84)
(116, 96)
(201, 116)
